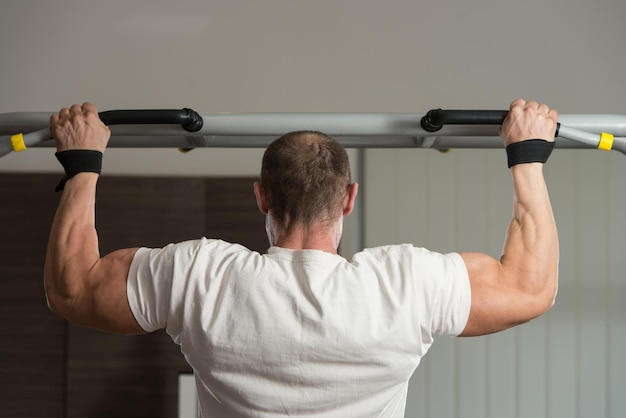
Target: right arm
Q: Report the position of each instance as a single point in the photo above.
(522, 284)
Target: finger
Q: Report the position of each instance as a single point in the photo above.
(518, 103)
(544, 108)
(89, 108)
(54, 124)
(553, 114)
(76, 110)
(533, 105)
(517, 107)
(91, 113)
(64, 112)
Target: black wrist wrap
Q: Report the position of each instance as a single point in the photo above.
(529, 151)
(78, 161)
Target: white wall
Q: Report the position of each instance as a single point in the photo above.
(568, 363)
(373, 56)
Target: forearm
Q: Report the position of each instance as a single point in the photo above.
(73, 244)
(531, 251)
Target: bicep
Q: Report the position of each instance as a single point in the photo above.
(498, 302)
(105, 302)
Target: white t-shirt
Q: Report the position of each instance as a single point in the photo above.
(299, 333)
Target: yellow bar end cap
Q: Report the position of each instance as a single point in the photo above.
(17, 141)
(606, 142)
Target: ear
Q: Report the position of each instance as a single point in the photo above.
(259, 192)
(348, 203)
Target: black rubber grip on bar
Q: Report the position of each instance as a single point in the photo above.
(190, 120)
(436, 118)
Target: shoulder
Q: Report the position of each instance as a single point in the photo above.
(188, 253)
(400, 251)
(196, 246)
(409, 258)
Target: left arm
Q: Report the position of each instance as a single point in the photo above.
(80, 285)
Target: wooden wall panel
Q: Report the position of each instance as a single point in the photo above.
(54, 369)
(122, 376)
(150, 212)
(232, 213)
(31, 336)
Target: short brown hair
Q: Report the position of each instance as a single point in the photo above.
(305, 175)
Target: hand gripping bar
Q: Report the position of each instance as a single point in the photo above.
(190, 120)
(435, 119)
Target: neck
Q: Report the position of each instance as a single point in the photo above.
(318, 237)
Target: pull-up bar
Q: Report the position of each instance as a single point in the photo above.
(437, 129)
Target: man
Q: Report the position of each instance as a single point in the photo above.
(300, 331)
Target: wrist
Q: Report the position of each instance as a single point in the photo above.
(75, 162)
(83, 178)
(528, 182)
(528, 168)
(529, 151)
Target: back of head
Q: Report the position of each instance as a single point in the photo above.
(305, 175)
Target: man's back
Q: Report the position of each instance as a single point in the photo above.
(300, 333)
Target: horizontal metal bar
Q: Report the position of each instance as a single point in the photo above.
(441, 143)
(391, 124)
(354, 130)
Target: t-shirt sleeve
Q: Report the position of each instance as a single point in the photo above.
(155, 291)
(452, 297)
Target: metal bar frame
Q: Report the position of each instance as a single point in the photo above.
(353, 130)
